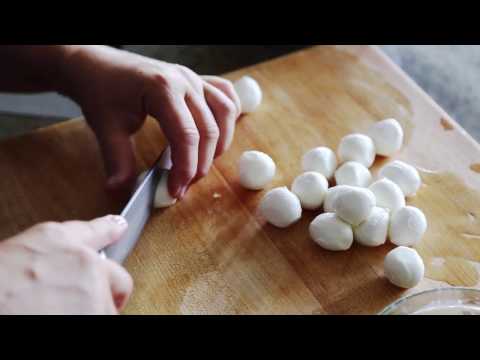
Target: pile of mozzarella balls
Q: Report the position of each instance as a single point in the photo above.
(359, 208)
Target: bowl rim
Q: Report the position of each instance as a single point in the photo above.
(400, 301)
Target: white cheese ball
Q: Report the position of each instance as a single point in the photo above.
(332, 193)
(162, 195)
(387, 135)
(357, 147)
(255, 170)
(388, 194)
(311, 188)
(320, 159)
(331, 232)
(354, 205)
(280, 207)
(249, 92)
(404, 268)
(353, 173)
(404, 175)
(407, 226)
(373, 231)
(166, 159)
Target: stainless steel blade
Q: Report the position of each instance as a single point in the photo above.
(138, 210)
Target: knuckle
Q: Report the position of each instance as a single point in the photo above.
(50, 229)
(83, 255)
(183, 68)
(223, 84)
(226, 84)
(226, 109)
(160, 79)
(189, 73)
(211, 133)
(202, 172)
(190, 136)
(168, 82)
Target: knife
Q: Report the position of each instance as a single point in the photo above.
(138, 210)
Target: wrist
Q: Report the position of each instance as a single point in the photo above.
(79, 71)
(67, 83)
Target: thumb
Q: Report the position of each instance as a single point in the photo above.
(118, 155)
(98, 233)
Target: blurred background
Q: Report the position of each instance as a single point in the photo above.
(449, 73)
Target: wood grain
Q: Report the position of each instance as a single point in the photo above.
(212, 253)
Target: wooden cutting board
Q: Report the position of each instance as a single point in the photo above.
(212, 253)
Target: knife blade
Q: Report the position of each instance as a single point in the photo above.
(138, 210)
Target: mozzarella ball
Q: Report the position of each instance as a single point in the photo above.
(311, 188)
(166, 159)
(373, 231)
(249, 93)
(354, 205)
(255, 170)
(162, 195)
(331, 232)
(357, 147)
(404, 175)
(331, 196)
(407, 226)
(353, 173)
(388, 194)
(280, 207)
(403, 267)
(320, 159)
(387, 135)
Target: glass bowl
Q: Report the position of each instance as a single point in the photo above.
(441, 301)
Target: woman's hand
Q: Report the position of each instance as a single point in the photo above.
(55, 268)
(117, 90)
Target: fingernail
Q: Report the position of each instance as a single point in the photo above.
(176, 194)
(120, 301)
(118, 220)
(183, 191)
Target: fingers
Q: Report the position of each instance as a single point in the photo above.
(96, 235)
(225, 113)
(198, 124)
(117, 150)
(121, 283)
(208, 130)
(227, 88)
(99, 233)
(110, 309)
(180, 128)
(118, 153)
